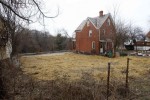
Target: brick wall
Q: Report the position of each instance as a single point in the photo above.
(84, 42)
(109, 34)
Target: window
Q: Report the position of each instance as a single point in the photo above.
(93, 44)
(88, 23)
(103, 32)
(108, 22)
(90, 33)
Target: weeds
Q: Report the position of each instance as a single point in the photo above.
(61, 88)
(20, 86)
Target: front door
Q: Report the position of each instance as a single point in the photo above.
(102, 47)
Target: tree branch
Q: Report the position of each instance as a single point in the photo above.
(42, 11)
(10, 8)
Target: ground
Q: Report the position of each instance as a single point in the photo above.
(71, 76)
(43, 67)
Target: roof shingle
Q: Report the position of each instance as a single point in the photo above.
(96, 21)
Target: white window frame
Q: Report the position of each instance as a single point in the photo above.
(93, 44)
(90, 33)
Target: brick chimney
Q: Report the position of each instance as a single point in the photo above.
(100, 13)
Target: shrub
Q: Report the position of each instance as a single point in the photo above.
(123, 54)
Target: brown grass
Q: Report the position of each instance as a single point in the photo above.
(73, 65)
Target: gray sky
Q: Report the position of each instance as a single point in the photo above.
(73, 12)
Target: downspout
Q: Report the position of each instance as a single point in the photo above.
(99, 34)
(99, 40)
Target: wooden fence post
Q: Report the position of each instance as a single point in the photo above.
(108, 79)
(127, 77)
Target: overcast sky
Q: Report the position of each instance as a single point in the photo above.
(73, 12)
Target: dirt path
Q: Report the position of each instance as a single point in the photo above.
(48, 54)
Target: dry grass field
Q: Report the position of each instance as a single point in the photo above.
(70, 76)
(45, 67)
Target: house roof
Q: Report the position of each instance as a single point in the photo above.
(148, 34)
(80, 27)
(96, 21)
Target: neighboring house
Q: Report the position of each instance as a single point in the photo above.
(148, 37)
(95, 35)
(5, 44)
(139, 44)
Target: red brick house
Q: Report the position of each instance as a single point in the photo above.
(95, 35)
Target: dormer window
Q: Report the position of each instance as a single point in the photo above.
(90, 33)
(108, 22)
(88, 23)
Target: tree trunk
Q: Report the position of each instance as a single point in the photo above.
(3, 92)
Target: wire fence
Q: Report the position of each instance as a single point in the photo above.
(19, 86)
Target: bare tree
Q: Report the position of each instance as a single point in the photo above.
(123, 30)
(121, 33)
(120, 29)
(33, 41)
(23, 10)
(12, 14)
(134, 31)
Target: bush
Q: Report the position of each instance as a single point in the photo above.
(123, 54)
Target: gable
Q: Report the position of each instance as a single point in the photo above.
(96, 21)
(99, 21)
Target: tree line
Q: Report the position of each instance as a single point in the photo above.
(34, 41)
